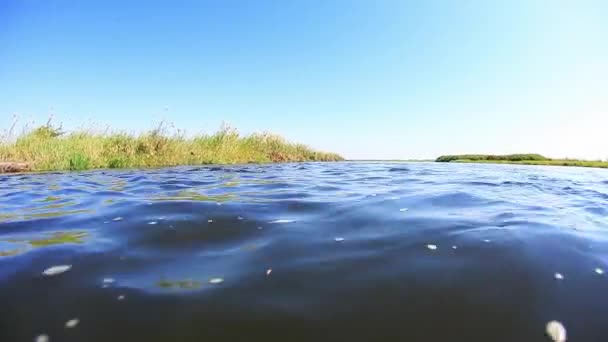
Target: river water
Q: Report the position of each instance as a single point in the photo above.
(305, 252)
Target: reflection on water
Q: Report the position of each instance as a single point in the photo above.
(41, 240)
(49, 199)
(195, 196)
(10, 252)
(306, 252)
(57, 238)
(55, 213)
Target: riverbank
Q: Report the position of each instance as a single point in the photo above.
(523, 159)
(47, 148)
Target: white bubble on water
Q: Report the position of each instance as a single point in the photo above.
(431, 247)
(72, 323)
(216, 280)
(55, 270)
(599, 271)
(558, 276)
(556, 331)
(339, 239)
(42, 338)
(283, 221)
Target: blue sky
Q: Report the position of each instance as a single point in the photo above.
(368, 79)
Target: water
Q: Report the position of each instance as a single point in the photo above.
(305, 252)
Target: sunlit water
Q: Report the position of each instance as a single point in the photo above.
(305, 252)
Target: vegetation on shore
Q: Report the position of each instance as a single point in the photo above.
(488, 157)
(48, 148)
(526, 159)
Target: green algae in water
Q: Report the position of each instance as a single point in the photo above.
(56, 238)
(49, 199)
(56, 214)
(165, 284)
(60, 238)
(35, 215)
(185, 284)
(7, 217)
(195, 196)
(53, 205)
(118, 186)
(11, 252)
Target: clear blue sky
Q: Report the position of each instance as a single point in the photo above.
(368, 79)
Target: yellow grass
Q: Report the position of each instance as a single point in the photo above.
(46, 148)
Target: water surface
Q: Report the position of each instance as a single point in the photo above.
(306, 252)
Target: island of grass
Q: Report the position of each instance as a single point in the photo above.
(47, 148)
(527, 159)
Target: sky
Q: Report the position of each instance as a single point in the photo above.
(383, 79)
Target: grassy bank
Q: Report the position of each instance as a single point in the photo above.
(525, 159)
(491, 157)
(47, 148)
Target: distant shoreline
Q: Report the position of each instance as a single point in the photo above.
(47, 148)
(554, 162)
(517, 159)
(520, 159)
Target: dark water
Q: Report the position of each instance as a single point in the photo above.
(347, 261)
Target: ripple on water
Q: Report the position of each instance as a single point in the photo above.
(339, 251)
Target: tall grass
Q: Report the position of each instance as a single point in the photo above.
(48, 148)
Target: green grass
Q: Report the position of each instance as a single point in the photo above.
(47, 148)
(525, 159)
(490, 157)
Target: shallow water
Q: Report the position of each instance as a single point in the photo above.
(306, 252)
